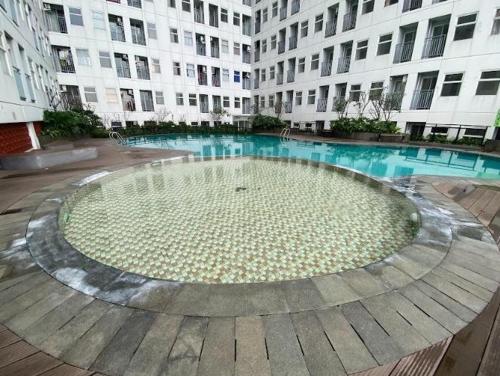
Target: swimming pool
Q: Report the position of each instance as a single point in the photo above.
(376, 161)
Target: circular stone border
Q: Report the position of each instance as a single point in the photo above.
(58, 258)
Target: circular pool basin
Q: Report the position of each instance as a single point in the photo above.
(236, 221)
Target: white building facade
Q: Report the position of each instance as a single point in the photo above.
(135, 61)
(440, 58)
(27, 76)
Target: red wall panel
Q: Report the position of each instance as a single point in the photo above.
(14, 138)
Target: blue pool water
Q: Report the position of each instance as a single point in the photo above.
(377, 161)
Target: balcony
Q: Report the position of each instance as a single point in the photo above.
(256, 83)
(321, 106)
(66, 66)
(117, 32)
(349, 21)
(422, 99)
(434, 46)
(199, 16)
(216, 81)
(143, 72)
(214, 52)
(344, 64)
(281, 47)
(409, 5)
(138, 36)
(123, 71)
(246, 58)
(283, 12)
(331, 28)
(135, 3)
(394, 100)
(204, 107)
(246, 84)
(201, 49)
(288, 107)
(247, 109)
(247, 2)
(290, 76)
(256, 55)
(292, 43)
(279, 79)
(202, 79)
(403, 53)
(56, 22)
(247, 29)
(257, 27)
(326, 69)
(295, 6)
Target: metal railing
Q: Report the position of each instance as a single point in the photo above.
(56, 23)
(256, 55)
(331, 28)
(281, 47)
(295, 6)
(202, 79)
(143, 73)
(123, 71)
(117, 32)
(422, 99)
(116, 137)
(215, 52)
(138, 36)
(349, 21)
(65, 66)
(246, 58)
(326, 68)
(257, 27)
(201, 49)
(292, 43)
(199, 16)
(322, 104)
(285, 133)
(290, 76)
(256, 83)
(434, 46)
(404, 52)
(204, 107)
(344, 64)
(283, 13)
(411, 5)
(288, 107)
(246, 84)
(279, 78)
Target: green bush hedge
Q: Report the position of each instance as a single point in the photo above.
(263, 122)
(352, 125)
(171, 127)
(71, 124)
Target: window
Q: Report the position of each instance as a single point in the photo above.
(274, 9)
(384, 44)
(174, 37)
(355, 93)
(192, 100)
(98, 20)
(111, 96)
(236, 19)
(318, 23)
(186, 5)
(236, 76)
(376, 89)
(263, 102)
(367, 6)
(105, 59)
(304, 29)
(264, 45)
(236, 49)
(190, 72)
(225, 75)
(273, 42)
(263, 75)
(272, 72)
(237, 102)
(83, 57)
(188, 38)
(224, 15)
(362, 50)
(315, 62)
(176, 68)
(152, 31)
(159, 97)
(179, 99)
(146, 100)
(90, 94)
(451, 85)
(225, 102)
(465, 27)
(496, 23)
(488, 84)
(3, 55)
(171, 3)
(156, 65)
(298, 98)
(390, 2)
(75, 16)
(302, 65)
(264, 15)
(311, 98)
(225, 46)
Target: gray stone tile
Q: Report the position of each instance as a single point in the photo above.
(334, 290)
(251, 351)
(217, 358)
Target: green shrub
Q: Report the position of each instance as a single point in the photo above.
(353, 125)
(263, 122)
(71, 124)
(152, 127)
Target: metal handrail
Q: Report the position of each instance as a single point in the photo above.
(116, 137)
(285, 133)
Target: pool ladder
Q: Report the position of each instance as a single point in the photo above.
(117, 138)
(285, 133)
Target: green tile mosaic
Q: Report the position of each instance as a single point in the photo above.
(235, 221)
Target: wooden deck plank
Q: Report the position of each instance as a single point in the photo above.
(23, 286)
(251, 351)
(490, 362)
(115, 357)
(478, 207)
(321, 359)
(468, 200)
(150, 358)
(8, 338)
(33, 365)
(217, 358)
(489, 212)
(184, 357)
(67, 370)
(285, 355)
(9, 282)
(464, 284)
(15, 352)
(349, 347)
(471, 276)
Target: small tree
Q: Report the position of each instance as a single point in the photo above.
(218, 113)
(341, 106)
(279, 108)
(385, 104)
(362, 103)
(161, 116)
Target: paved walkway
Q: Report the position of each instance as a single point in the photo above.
(338, 324)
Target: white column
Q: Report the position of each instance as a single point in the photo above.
(35, 143)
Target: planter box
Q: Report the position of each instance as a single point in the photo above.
(399, 138)
(364, 136)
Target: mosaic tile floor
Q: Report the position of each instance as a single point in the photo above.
(235, 221)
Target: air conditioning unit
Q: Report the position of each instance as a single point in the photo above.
(47, 7)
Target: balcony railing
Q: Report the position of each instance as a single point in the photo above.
(199, 16)
(331, 28)
(204, 107)
(403, 53)
(394, 100)
(65, 66)
(411, 5)
(247, 28)
(123, 71)
(281, 47)
(71, 100)
(422, 99)
(216, 81)
(129, 105)
(143, 73)
(214, 52)
(434, 46)
(292, 43)
(202, 79)
(56, 23)
(19, 83)
(247, 109)
(247, 2)
(288, 107)
(257, 27)
(117, 32)
(321, 106)
(246, 84)
(290, 76)
(135, 3)
(213, 20)
(326, 68)
(295, 6)
(256, 84)
(138, 36)
(246, 58)
(201, 49)
(349, 21)
(256, 55)
(279, 79)
(283, 12)
(344, 64)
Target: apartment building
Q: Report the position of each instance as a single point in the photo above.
(439, 61)
(27, 77)
(135, 61)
